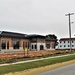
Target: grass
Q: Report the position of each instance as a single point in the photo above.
(30, 65)
(29, 58)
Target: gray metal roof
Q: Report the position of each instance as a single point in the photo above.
(12, 34)
(35, 36)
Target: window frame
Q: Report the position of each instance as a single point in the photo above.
(16, 44)
(3, 44)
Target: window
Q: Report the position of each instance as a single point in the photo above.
(3, 44)
(68, 45)
(68, 41)
(32, 46)
(64, 41)
(16, 44)
(72, 45)
(48, 46)
(72, 41)
(60, 46)
(60, 41)
(64, 45)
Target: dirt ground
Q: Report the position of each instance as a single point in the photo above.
(42, 69)
(30, 54)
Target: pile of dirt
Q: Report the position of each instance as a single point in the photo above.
(29, 54)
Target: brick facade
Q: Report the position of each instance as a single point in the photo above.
(10, 41)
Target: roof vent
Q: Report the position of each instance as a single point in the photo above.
(26, 35)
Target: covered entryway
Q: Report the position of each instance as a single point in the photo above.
(41, 47)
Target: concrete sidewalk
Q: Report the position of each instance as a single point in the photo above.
(34, 60)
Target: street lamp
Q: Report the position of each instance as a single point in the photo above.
(69, 14)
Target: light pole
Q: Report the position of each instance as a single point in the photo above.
(69, 14)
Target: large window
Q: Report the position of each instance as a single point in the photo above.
(48, 46)
(16, 44)
(3, 44)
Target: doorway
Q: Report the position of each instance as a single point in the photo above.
(41, 47)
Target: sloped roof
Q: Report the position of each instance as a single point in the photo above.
(36, 36)
(12, 34)
(63, 39)
(20, 35)
(50, 39)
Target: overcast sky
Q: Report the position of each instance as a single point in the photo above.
(37, 16)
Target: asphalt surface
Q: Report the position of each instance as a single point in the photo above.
(66, 70)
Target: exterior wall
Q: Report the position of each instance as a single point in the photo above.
(38, 46)
(38, 42)
(41, 42)
(33, 46)
(47, 42)
(11, 43)
(21, 43)
(51, 45)
(66, 44)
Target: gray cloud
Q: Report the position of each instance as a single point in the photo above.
(37, 16)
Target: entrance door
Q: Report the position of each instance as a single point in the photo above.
(41, 47)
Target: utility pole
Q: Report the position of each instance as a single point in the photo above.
(69, 14)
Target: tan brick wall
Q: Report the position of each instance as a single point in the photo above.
(23, 40)
(51, 44)
(8, 39)
(40, 40)
(11, 41)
